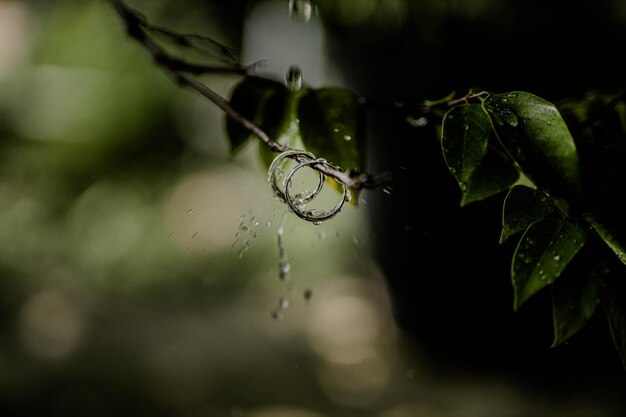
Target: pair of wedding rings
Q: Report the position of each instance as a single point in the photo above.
(298, 201)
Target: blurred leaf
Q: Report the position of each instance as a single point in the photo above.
(543, 252)
(333, 127)
(575, 298)
(615, 310)
(247, 99)
(523, 206)
(617, 245)
(494, 175)
(535, 135)
(466, 131)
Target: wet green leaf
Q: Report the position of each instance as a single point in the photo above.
(494, 175)
(279, 120)
(575, 297)
(542, 254)
(466, 132)
(333, 127)
(610, 236)
(247, 99)
(522, 206)
(535, 135)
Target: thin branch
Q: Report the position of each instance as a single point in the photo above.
(467, 98)
(136, 27)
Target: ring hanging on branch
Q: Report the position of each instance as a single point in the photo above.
(275, 171)
(296, 202)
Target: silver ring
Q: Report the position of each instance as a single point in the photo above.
(271, 177)
(316, 216)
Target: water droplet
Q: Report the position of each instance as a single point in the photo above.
(284, 267)
(277, 314)
(336, 130)
(245, 248)
(194, 235)
(419, 122)
(387, 190)
(453, 170)
(191, 210)
(283, 303)
(356, 240)
(300, 10)
(556, 258)
(269, 223)
(347, 137)
(307, 294)
(510, 118)
(541, 272)
(293, 78)
(321, 234)
(317, 222)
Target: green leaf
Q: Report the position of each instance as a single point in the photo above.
(523, 206)
(333, 127)
(535, 135)
(247, 99)
(610, 236)
(278, 119)
(574, 299)
(494, 175)
(466, 131)
(615, 310)
(543, 252)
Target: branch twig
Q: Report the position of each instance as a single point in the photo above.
(136, 28)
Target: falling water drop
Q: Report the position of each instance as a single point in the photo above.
(284, 267)
(293, 78)
(300, 10)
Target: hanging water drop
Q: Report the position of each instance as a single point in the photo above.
(556, 258)
(300, 10)
(293, 78)
(347, 137)
(283, 303)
